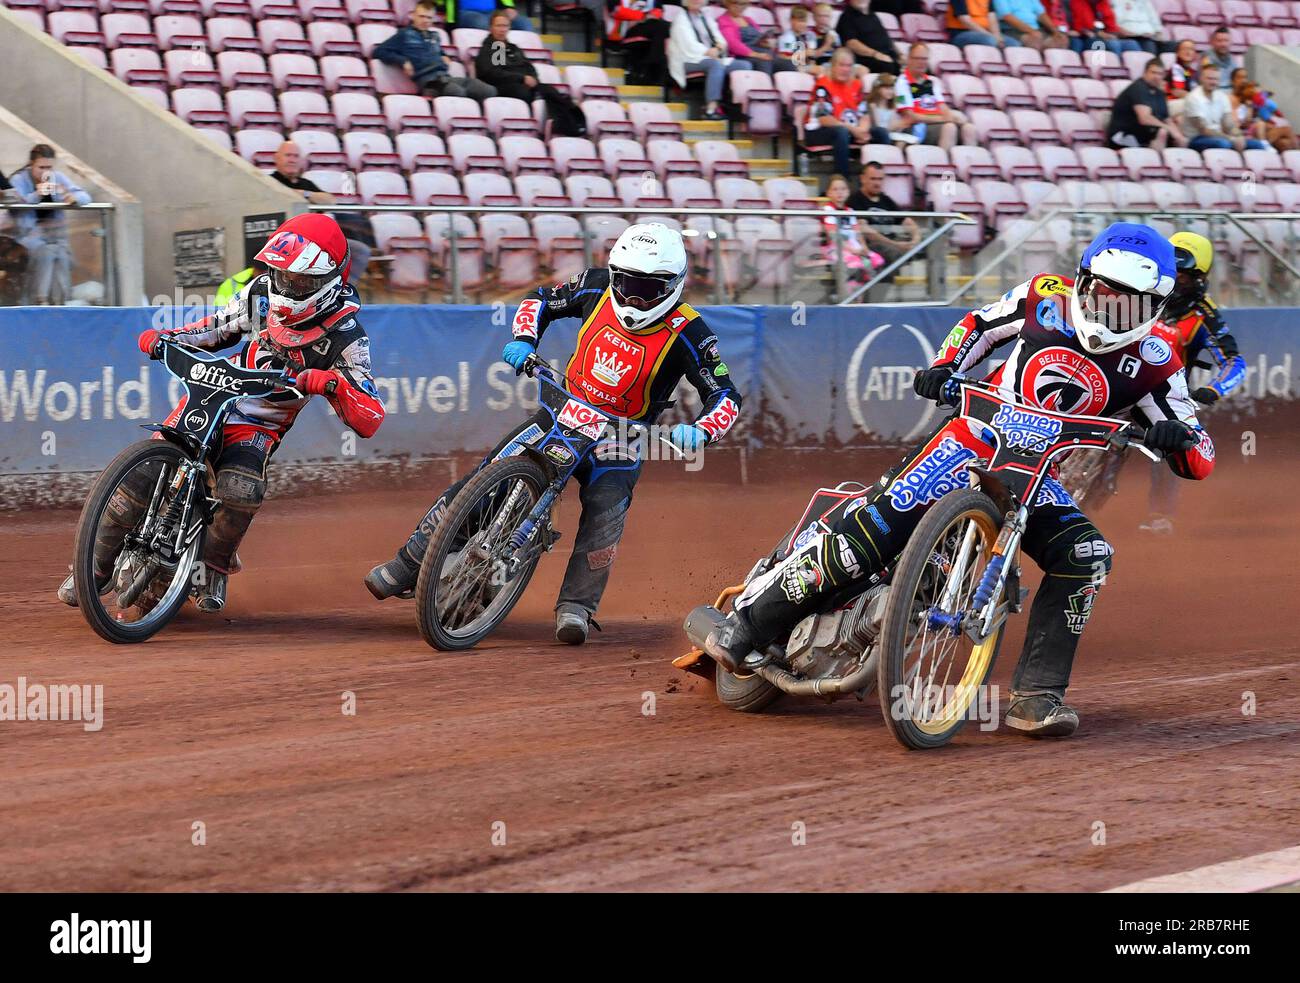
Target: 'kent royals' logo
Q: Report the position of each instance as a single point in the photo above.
(1026, 431)
(935, 475)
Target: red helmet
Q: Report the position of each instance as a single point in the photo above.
(308, 262)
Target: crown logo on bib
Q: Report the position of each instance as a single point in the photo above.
(608, 369)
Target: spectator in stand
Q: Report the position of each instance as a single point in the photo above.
(647, 61)
(973, 22)
(1095, 22)
(1140, 21)
(863, 34)
(885, 116)
(828, 39)
(1140, 117)
(1220, 56)
(44, 234)
(1208, 119)
(356, 227)
(503, 65)
(886, 234)
(839, 117)
(1058, 13)
(918, 96)
(747, 40)
(859, 259)
(478, 14)
(1182, 76)
(1258, 114)
(696, 45)
(416, 51)
(801, 44)
(1027, 21)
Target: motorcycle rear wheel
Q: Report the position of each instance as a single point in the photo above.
(452, 584)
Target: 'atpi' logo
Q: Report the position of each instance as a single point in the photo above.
(197, 420)
(1024, 430)
(1064, 381)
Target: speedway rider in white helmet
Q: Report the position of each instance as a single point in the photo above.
(1077, 347)
(637, 341)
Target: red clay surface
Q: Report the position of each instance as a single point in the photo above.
(235, 720)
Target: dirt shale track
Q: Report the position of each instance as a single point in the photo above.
(236, 721)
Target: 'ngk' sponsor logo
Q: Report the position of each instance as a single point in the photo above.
(211, 374)
(575, 416)
(525, 322)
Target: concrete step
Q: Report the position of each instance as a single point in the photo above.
(772, 167)
(577, 58)
(636, 93)
(705, 129)
(554, 41)
(745, 147)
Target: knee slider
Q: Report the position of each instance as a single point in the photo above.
(240, 488)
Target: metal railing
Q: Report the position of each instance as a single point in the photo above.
(994, 274)
(104, 231)
(937, 227)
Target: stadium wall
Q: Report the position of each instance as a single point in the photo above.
(74, 388)
(1277, 69)
(183, 180)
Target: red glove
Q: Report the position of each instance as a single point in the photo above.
(656, 12)
(148, 341)
(316, 382)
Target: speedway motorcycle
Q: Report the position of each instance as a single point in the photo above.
(496, 529)
(148, 511)
(925, 632)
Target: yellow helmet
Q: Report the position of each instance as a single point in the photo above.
(1199, 253)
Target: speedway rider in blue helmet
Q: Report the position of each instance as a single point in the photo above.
(1077, 346)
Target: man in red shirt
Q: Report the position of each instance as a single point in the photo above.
(839, 117)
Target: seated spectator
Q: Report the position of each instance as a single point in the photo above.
(839, 117)
(503, 65)
(828, 39)
(44, 234)
(972, 22)
(696, 45)
(1140, 21)
(1027, 22)
(887, 235)
(863, 34)
(1182, 76)
(1258, 114)
(1208, 119)
(355, 225)
(885, 116)
(800, 45)
(1220, 56)
(1095, 22)
(918, 96)
(646, 62)
(478, 14)
(1058, 13)
(858, 258)
(1140, 116)
(416, 51)
(745, 39)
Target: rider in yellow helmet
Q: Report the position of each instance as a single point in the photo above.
(1194, 327)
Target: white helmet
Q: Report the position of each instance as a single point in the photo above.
(647, 270)
(1125, 278)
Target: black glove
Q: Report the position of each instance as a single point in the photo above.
(928, 383)
(1205, 396)
(1169, 436)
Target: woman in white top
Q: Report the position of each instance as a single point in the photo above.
(696, 45)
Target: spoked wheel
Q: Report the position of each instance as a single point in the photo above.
(1091, 477)
(125, 591)
(466, 586)
(928, 677)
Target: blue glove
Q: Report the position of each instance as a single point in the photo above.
(687, 438)
(516, 353)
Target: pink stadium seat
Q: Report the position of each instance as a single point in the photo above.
(794, 87)
(581, 187)
(928, 162)
(473, 151)
(1064, 63)
(947, 59)
(1131, 194)
(306, 109)
(370, 11)
(72, 26)
(1076, 128)
(1170, 194)
(653, 120)
(382, 188)
(1001, 200)
(974, 162)
(482, 188)
(525, 154)
(253, 108)
(779, 190)
(316, 10)
(430, 186)
(243, 69)
(333, 37)
(672, 157)
(607, 119)
(127, 30)
(735, 192)
(35, 16)
(321, 149)
(231, 34)
(969, 92)
(1135, 63)
(282, 35)
(199, 106)
(1144, 164)
(1014, 163)
(572, 154)
(1091, 93)
(1207, 13)
(459, 114)
(506, 115)
(1035, 126)
(1052, 93)
(621, 155)
(1060, 163)
(421, 150)
(495, 227)
(95, 56)
(1025, 62)
(250, 143)
(151, 94)
(720, 158)
(589, 82)
(957, 196)
(985, 60)
(1186, 164)
(1211, 195)
(137, 66)
(369, 150)
(295, 72)
(682, 190)
(1225, 165)
(532, 187)
(1102, 163)
(370, 35)
(469, 247)
(346, 73)
(405, 112)
(1267, 165)
(993, 125)
(188, 68)
(754, 94)
(391, 79)
(358, 110)
(467, 41)
(922, 27)
(1010, 92)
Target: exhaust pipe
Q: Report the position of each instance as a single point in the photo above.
(705, 618)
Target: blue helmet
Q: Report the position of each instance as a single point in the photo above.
(1125, 277)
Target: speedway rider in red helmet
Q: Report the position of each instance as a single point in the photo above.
(299, 315)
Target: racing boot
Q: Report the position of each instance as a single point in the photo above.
(571, 624)
(731, 642)
(1041, 715)
(396, 578)
(67, 592)
(212, 592)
